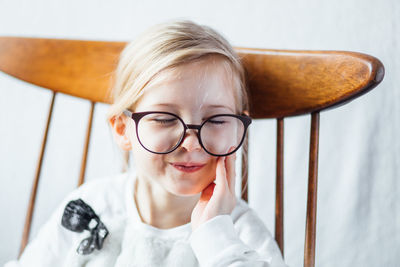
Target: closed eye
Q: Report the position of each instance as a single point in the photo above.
(161, 121)
(216, 122)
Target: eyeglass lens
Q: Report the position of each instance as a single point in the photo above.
(160, 133)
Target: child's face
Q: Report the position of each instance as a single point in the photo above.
(194, 91)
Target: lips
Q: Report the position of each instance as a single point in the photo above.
(187, 166)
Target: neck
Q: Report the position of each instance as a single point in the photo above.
(159, 208)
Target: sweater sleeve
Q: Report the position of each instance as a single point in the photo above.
(218, 242)
(52, 243)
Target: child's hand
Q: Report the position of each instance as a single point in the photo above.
(217, 198)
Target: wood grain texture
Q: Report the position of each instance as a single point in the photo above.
(74, 67)
(286, 83)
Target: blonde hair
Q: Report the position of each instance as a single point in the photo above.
(166, 46)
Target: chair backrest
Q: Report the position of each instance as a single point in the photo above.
(282, 83)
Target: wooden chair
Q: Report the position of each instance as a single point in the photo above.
(282, 83)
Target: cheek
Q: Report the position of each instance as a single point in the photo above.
(209, 172)
(145, 160)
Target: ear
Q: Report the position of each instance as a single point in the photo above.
(119, 125)
(246, 112)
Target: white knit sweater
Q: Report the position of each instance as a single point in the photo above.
(239, 239)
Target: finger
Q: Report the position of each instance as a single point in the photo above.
(231, 170)
(221, 173)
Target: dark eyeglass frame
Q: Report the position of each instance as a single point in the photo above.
(136, 116)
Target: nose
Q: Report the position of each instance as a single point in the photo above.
(191, 141)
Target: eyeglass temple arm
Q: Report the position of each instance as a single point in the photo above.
(128, 113)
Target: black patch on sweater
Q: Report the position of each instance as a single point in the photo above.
(78, 217)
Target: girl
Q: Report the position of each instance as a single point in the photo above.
(180, 106)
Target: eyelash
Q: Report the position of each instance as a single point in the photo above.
(217, 122)
(164, 121)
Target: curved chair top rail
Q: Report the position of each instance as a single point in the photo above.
(281, 83)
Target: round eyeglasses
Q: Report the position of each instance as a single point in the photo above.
(162, 132)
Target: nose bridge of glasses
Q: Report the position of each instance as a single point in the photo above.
(193, 126)
(196, 133)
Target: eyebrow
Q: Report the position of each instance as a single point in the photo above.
(208, 106)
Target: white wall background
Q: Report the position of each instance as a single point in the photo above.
(358, 208)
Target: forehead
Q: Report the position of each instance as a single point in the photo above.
(195, 86)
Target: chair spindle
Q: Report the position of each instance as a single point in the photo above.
(309, 247)
(35, 185)
(86, 146)
(279, 203)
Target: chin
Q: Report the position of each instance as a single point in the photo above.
(185, 189)
(186, 184)
(186, 192)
